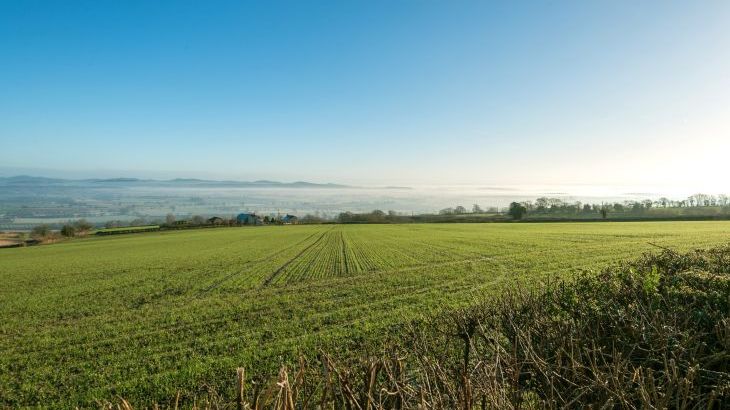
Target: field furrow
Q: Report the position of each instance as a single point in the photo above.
(141, 317)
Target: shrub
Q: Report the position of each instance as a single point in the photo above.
(68, 231)
(40, 231)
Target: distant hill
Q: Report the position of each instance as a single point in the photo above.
(31, 181)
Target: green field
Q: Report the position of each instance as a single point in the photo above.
(143, 316)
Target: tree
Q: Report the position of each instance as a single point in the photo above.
(112, 224)
(376, 216)
(68, 231)
(517, 210)
(476, 209)
(460, 210)
(700, 199)
(311, 219)
(197, 220)
(170, 219)
(541, 204)
(345, 217)
(40, 231)
(446, 211)
(83, 226)
(604, 212)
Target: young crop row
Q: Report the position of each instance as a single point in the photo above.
(140, 316)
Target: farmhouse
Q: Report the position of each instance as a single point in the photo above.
(289, 219)
(216, 220)
(249, 219)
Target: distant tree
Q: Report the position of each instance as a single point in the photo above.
(137, 222)
(587, 208)
(700, 199)
(40, 231)
(311, 219)
(68, 231)
(476, 209)
(197, 220)
(170, 219)
(112, 224)
(446, 211)
(541, 204)
(83, 226)
(604, 212)
(266, 219)
(345, 217)
(517, 210)
(459, 210)
(376, 216)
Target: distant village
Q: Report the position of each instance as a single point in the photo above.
(246, 218)
(44, 233)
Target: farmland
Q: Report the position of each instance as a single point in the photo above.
(143, 316)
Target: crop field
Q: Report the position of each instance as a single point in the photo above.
(144, 316)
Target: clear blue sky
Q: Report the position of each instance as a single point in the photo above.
(368, 91)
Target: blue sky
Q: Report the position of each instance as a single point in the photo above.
(368, 91)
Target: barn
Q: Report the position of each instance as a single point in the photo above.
(249, 219)
(216, 220)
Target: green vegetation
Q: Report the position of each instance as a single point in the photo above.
(651, 333)
(143, 317)
(127, 229)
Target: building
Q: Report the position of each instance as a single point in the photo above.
(289, 220)
(249, 219)
(216, 220)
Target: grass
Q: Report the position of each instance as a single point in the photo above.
(125, 229)
(651, 333)
(146, 316)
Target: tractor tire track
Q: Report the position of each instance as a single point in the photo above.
(344, 253)
(245, 265)
(281, 268)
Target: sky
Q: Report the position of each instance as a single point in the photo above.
(369, 92)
